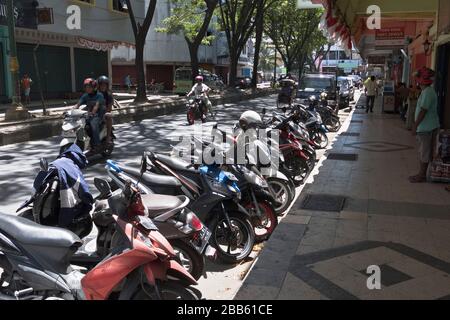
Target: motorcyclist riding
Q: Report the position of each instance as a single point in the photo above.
(96, 108)
(103, 87)
(201, 89)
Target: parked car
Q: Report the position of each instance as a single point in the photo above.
(315, 85)
(351, 86)
(344, 93)
(243, 83)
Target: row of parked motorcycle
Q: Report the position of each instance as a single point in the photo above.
(157, 224)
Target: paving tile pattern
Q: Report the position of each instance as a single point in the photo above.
(402, 228)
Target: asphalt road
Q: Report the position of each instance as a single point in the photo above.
(19, 165)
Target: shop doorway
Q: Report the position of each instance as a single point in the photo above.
(443, 84)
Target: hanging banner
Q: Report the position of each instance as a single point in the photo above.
(101, 45)
(24, 13)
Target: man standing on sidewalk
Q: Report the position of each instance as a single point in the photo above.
(427, 123)
(371, 92)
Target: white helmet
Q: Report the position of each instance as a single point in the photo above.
(250, 119)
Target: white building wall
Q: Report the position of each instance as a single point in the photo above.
(163, 48)
(97, 21)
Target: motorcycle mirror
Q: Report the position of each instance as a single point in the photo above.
(102, 186)
(44, 164)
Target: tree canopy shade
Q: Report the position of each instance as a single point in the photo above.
(140, 31)
(293, 31)
(238, 22)
(192, 19)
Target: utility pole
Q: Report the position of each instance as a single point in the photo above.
(16, 111)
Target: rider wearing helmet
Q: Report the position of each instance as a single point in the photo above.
(427, 124)
(103, 87)
(201, 89)
(96, 108)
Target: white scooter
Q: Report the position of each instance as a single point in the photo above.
(76, 130)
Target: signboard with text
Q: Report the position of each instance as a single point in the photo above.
(24, 13)
(390, 37)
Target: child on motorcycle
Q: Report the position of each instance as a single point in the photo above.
(103, 87)
(96, 108)
(201, 89)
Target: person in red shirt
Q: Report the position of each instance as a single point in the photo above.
(26, 83)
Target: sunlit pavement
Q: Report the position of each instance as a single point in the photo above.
(356, 212)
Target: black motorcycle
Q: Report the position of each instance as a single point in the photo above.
(216, 203)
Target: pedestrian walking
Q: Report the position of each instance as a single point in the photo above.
(128, 82)
(26, 83)
(426, 126)
(371, 91)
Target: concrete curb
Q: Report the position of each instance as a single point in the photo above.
(37, 129)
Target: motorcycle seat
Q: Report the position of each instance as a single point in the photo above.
(175, 163)
(28, 232)
(160, 204)
(152, 179)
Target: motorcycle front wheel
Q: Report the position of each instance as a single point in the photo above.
(282, 193)
(333, 124)
(190, 117)
(265, 225)
(320, 139)
(233, 243)
(169, 290)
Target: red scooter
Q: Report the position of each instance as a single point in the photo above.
(142, 266)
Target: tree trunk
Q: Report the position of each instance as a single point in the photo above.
(141, 95)
(234, 59)
(259, 36)
(195, 65)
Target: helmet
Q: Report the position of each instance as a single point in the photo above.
(425, 76)
(199, 78)
(90, 82)
(102, 80)
(250, 119)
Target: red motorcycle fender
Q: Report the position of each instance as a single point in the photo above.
(156, 270)
(175, 269)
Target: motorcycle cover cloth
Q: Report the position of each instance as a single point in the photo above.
(74, 192)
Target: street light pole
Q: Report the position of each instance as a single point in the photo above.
(16, 111)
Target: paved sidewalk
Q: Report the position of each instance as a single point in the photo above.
(356, 211)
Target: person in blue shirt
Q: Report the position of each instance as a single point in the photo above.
(427, 123)
(95, 103)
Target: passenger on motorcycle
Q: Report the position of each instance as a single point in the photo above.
(96, 108)
(103, 87)
(201, 89)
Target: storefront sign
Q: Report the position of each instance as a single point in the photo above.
(24, 13)
(390, 37)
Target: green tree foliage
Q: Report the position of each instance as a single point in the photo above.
(294, 32)
(192, 19)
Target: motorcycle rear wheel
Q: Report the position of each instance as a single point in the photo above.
(169, 290)
(189, 258)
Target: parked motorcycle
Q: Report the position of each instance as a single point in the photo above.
(76, 130)
(180, 226)
(215, 199)
(330, 119)
(36, 259)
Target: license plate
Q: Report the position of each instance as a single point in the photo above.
(203, 240)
